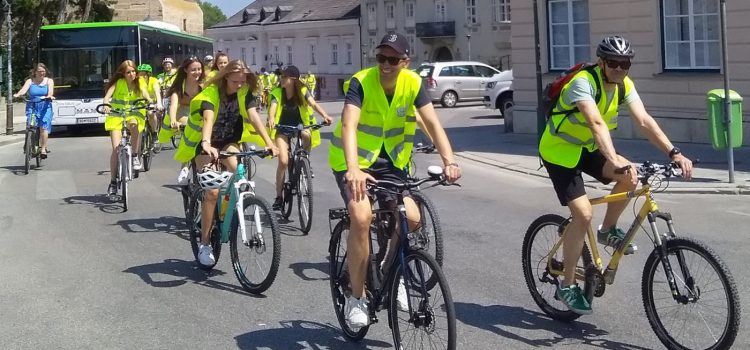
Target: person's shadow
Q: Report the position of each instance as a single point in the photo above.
(300, 334)
(505, 321)
(172, 225)
(99, 201)
(301, 268)
(180, 272)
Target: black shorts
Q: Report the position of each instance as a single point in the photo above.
(382, 169)
(568, 182)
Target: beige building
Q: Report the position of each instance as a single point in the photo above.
(678, 55)
(441, 30)
(185, 14)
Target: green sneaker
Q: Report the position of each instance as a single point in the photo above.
(612, 238)
(573, 298)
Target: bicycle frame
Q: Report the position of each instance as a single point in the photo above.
(236, 201)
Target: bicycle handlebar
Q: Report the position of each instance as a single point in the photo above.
(298, 128)
(137, 104)
(260, 154)
(435, 175)
(38, 99)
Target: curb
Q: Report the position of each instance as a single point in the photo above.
(9, 140)
(737, 190)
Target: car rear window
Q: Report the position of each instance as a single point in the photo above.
(425, 71)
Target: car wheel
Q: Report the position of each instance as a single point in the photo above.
(504, 104)
(449, 99)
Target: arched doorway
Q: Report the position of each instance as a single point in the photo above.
(443, 54)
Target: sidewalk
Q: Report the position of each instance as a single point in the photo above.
(518, 152)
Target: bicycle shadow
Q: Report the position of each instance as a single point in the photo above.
(502, 319)
(18, 170)
(176, 188)
(172, 225)
(300, 268)
(183, 272)
(98, 201)
(300, 334)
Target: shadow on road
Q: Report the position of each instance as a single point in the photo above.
(300, 268)
(99, 201)
(303, 335)
(177, 272)
(172, 225)
(505, 321)
(19, 170)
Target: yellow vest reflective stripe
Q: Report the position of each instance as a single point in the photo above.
(168, 79)
(381, 124)
(567, 134)
(305, 112)
(191, 136)
(122, 97)
(249, 134)
(150, 86)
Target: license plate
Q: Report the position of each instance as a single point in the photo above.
(86, 120)
(66, 111)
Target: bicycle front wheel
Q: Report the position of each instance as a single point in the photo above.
(429, 320)
(430, 235)
(542, 282)
(304, 194)
(255, 257)
(146, 146)
(706, 314)
(124, 177)
(37, 149)
(28, 147)
(339, 278)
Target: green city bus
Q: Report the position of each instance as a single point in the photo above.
(82, 57)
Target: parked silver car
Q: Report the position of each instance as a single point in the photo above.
(451, 82)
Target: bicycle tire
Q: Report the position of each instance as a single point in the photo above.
(146, 146)
(287, 191)
(27, 151)
(256, 247)
(339, 279)
(124, 178)
(429, 232)
(175, 138)
(678, 249)
(422, 316)
(546, 299)
(195, 232)
(304, 194)
(38, 149)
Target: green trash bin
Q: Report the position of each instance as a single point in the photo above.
(716, 126)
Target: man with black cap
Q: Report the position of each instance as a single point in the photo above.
(373, 141)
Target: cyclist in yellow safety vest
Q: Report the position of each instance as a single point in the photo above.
(123, 88)
(577, 139)
(373, 141)
(219, 62)
(154, 93)
(311, 82)
(291, 105)
(221, 115)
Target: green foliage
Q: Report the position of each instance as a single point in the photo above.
(212, 15)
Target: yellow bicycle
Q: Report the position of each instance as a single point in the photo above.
(689, 295)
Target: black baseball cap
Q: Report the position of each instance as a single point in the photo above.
(397, 42)
(290, 71)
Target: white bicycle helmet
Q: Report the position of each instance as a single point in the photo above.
(212, 179)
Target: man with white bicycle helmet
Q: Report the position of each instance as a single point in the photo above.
(208, 61)
(577, 140)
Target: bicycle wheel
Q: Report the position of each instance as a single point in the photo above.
(37, 149)
(304, 194)
(27, 150)
(430, 235)
(430, 320)
(195, 231)
(124, 170)
(147, 144)
(540, 238)
(339, 278)
(706, 314)
(176, 139)
(255, 259)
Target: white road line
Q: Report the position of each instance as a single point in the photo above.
(55, 184)
(738, 212)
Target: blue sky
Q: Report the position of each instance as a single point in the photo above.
(230, 7)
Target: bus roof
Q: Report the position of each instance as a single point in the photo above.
(150, 25)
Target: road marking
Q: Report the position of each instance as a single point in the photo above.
(738, 212)
(55, 184)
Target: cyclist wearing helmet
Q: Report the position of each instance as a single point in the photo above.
(208, 61)
(166, 77)
(577, 139)
(219, 62)
(154, 92)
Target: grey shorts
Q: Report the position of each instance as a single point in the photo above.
(382, 169)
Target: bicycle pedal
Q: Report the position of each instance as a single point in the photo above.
(630, 250)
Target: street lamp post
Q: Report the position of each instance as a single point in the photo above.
(468, 38)
(9, 97)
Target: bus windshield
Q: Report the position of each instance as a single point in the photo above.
(81, 60)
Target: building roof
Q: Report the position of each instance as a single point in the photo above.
(269, 12)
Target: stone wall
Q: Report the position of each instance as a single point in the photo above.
(185, 14)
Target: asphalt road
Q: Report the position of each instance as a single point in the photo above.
(77, 272)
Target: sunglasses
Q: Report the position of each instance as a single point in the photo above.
(391, 60)
(625, 65)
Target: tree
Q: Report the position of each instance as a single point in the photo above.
(212, 15)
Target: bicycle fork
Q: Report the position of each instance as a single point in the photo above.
(240, 208)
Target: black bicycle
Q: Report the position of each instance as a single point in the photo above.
(31, 146)
(430, 234)
(147, 146)
(429, 316)
(299, 176)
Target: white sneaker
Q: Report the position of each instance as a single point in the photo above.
(401, 298)
(206, 255)
(182, 179)
(136, 163)
(356, 313)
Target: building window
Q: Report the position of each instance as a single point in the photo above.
(242, 55)
(312, 54)
(276, 54)
(501, 10)
(471, 12)
(409, 9)
(334, 53)
(412, 47)
(372, 16)
(253, 55)
(568, 32)
(289, 55)
(691, 34)
(390, 15)
(348, 53)
(440, 11)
